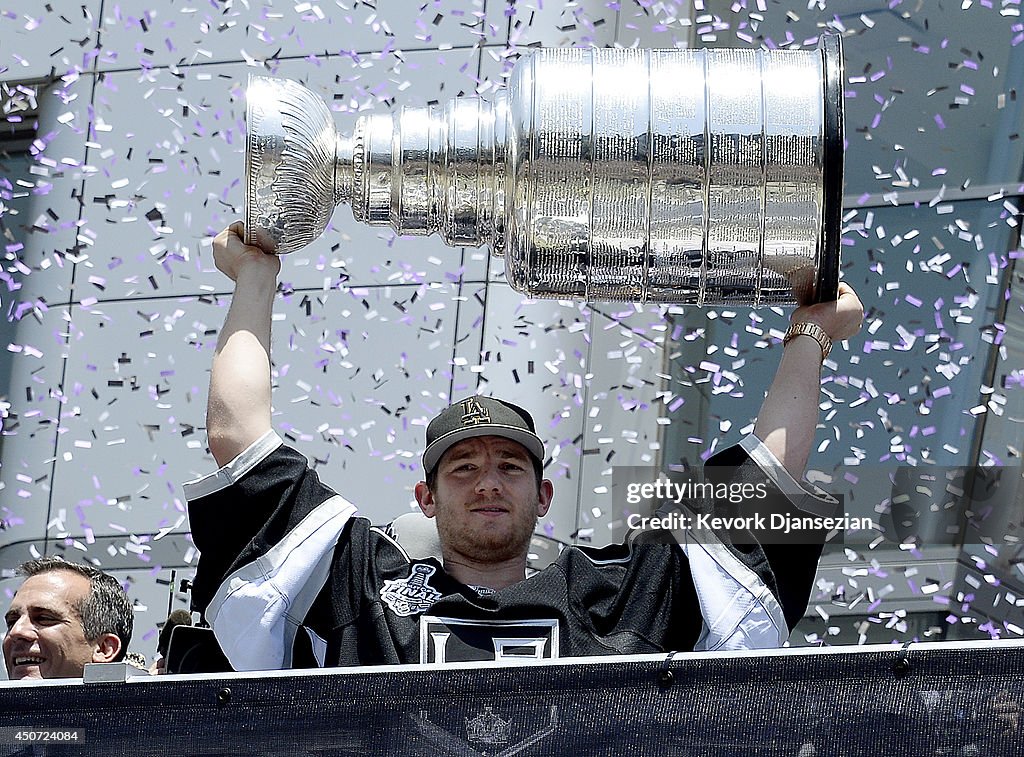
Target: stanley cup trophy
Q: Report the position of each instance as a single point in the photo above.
(699, 177)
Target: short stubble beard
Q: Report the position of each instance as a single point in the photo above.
(491, 548)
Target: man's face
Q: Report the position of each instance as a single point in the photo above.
(487, 500)
(45, 638)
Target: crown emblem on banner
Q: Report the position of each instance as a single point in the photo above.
(488, 728)
(487, 734)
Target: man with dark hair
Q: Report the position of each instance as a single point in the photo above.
(63, 616)
(288, 576)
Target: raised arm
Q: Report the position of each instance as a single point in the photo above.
(238, 410)
(789, 414)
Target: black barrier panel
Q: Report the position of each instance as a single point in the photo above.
(929, 699)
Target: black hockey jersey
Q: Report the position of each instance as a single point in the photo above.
(289, 576)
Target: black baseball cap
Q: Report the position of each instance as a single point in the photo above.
(480, 416)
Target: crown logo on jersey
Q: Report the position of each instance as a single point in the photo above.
(474, 413)
(488, 728)
(412, 595)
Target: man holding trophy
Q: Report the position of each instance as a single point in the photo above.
(296, 579)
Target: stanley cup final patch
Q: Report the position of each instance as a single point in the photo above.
(412, 595)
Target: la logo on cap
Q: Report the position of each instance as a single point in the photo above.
(473, 413)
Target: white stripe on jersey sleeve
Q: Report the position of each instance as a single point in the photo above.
(255, 453)
(806, 497)
(738, 609)
(258, 609)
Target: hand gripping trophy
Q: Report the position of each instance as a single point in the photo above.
(698, 177)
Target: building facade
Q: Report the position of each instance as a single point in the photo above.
(122, 157)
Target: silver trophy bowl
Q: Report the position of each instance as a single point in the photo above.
(290, 152)
(700, 177)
